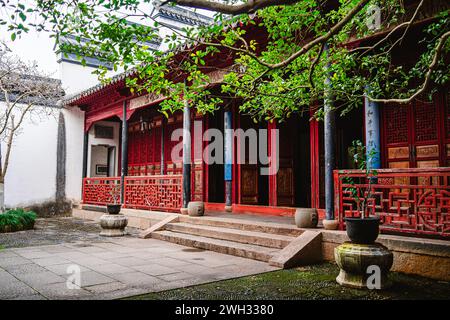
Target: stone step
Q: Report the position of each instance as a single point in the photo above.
(222, 246)
(236, 235)
(240, 224)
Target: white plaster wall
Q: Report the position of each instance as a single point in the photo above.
(74, 120)
(76, 78)
(31, 174)
(110, 142)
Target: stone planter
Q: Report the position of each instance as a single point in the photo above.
(358, 262)
(113, 225)
(196, 208)
(113, 208)
(306, 217)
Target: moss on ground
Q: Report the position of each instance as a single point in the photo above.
(310, 283)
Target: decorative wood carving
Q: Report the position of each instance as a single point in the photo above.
(398, 153)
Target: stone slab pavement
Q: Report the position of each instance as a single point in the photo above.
(113, 268)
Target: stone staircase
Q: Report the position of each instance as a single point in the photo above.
(249, 239)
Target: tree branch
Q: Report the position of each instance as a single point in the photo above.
(250, 6)
(319, 40)
(428, 75)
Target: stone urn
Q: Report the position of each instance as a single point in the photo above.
(363, 266)
(306, 217)
(113, 225)
(196, 208)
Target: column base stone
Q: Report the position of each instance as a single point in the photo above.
(330, 224)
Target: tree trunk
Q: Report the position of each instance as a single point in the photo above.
(2, 196)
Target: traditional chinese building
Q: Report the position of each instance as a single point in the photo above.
(128, 146)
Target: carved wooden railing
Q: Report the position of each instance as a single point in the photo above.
(157, 192)
(101, 191)
(415, 201)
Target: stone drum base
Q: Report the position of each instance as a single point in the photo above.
(113, 225)
(358, 262)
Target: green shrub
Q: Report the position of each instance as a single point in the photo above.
(16, 220)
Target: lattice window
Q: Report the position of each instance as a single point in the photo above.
(396, 124)
(426, 120)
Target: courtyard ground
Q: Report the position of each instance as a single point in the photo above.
(110, 267)
(34, 265)
(310, 283)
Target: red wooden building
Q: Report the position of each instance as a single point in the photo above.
(412, 189)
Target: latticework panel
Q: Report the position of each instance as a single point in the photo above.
(396, 124)
(413, 207)
(426, 121)
(101, 191)
(154, 192)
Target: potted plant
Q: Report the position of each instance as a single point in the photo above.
(365, 228)
(114, 208)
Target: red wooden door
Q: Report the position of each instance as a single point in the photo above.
(285, 175)
(412, 134)
(248, 172)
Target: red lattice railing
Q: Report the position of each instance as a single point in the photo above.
(406, 200)
(101, 191)
(159, 192)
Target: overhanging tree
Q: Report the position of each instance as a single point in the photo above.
(276, 75)
(24, 96)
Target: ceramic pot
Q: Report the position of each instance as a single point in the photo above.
(113, 208)
(363, 231)
(306, 217)
(196, 208)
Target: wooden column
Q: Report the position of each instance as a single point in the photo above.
(372, 131)
(314, 160)
(329, 132)
(273, 194)
(228, 167)
(162, 145)
(186, 156)
(124, 151)
(85, 152)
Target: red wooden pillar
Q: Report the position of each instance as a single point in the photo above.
(239, 161)
(273, 199)
(314, 159)
(236, 176)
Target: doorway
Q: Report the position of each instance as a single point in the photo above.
(103, 161)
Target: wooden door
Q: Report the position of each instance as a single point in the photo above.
(426, 145)
(248, 173)
(285, 175)
(412, 135)
(446, 131)
(249, 184)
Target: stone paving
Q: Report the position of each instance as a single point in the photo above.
(113, 268)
